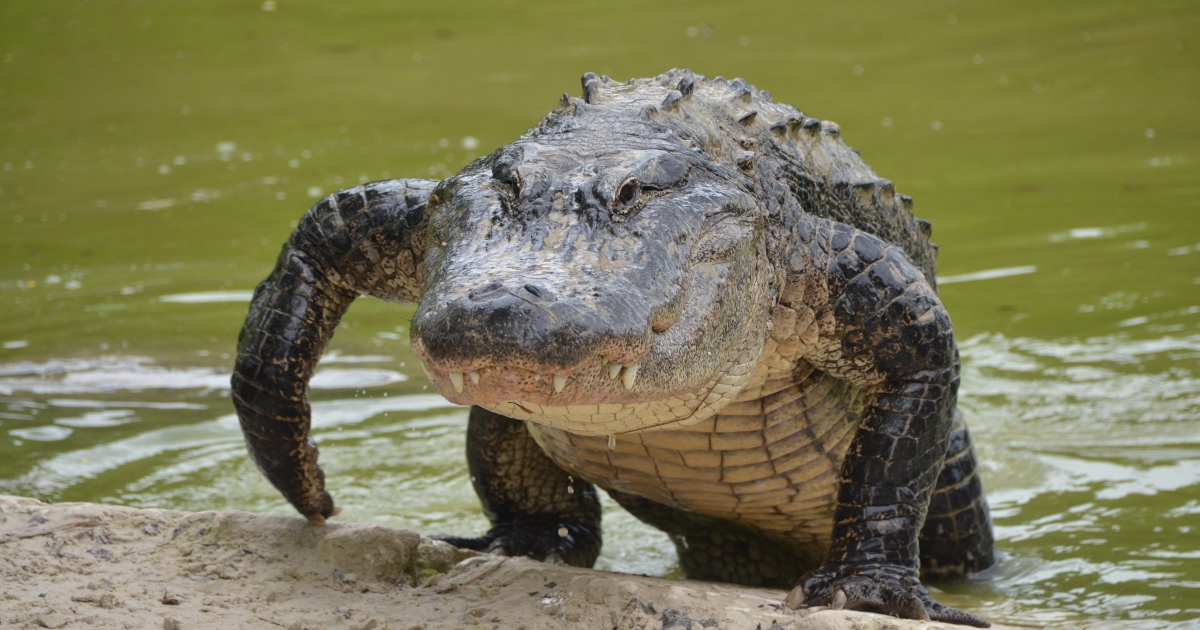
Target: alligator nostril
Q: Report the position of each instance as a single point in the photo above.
(536, 293)
(485, 292)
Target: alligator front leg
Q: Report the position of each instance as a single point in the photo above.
(882, 327)
(366, 240)
(536, 509)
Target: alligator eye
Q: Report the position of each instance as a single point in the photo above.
(627, 194)
(514, 180)
(505, 172)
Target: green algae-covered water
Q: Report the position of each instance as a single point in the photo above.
(154, 157)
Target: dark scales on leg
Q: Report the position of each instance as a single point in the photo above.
(716, 550)
(536, 509)
(957, 537)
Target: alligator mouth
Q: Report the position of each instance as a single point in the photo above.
(597, 382)
(598, 397)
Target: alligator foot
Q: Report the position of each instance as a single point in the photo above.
(885, 588)
(550, 542)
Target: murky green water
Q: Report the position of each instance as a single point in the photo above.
(164, 149)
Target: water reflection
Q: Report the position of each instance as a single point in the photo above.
(1091, 451)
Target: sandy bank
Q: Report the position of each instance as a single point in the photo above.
(83, 565)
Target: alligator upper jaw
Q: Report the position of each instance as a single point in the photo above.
(598, 382)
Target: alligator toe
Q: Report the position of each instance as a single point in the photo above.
(888, 589)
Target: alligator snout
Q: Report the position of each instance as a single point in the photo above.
(525, 340)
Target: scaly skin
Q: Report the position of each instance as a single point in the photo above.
(359, 241)
(693, 297)
(536, 508)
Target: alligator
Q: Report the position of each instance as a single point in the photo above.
(680, 291)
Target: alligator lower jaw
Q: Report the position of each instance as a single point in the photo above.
(611, 419)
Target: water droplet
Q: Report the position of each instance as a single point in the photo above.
(470, 143)
(294, 163)
(269, 5)
(315, 191)
(163, 169)
(692, 31)
(180, 160)
(281, 196)
(306, 154)
(1149, 133)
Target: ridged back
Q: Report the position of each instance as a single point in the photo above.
(798, 164)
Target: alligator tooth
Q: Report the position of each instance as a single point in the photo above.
(474, 376)
(456, 379)
(560, 381)
(614, 369)
(630, 376)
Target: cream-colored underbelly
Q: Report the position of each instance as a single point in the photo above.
(769, 460)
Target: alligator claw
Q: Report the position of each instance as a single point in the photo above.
(889, 589)
(839, 600)
(549, 542)
(317, 519)
(794, 599)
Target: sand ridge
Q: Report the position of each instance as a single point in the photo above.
(85, 565)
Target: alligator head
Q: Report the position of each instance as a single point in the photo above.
(602, 275)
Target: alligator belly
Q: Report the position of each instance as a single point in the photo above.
(770, 462)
